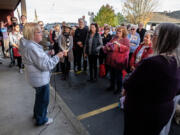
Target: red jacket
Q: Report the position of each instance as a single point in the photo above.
(118, 56)
(147, 51)
(50, 36)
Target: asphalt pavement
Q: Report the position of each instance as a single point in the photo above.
(91, 102)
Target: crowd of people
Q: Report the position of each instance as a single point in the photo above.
(82, 44)
(143, 65)
(10, 35)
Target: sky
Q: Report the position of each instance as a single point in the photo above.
(71, 10)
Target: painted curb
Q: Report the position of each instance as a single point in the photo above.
(69, 115)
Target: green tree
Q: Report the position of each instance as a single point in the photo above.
(106, 15)
(120, 18)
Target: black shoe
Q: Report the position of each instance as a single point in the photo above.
(23, 66)
(95, 79)
(11, 65)
(33, 117)
(0, 62)
(110, 88)
(75, 70)
(116, 91)
(63, 77)
(90, 80)
(57, 70)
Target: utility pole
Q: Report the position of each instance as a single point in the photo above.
(35, 16)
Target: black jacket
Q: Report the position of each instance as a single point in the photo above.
(141, 33)
(80, 35)
(106, 39)
(96, 43)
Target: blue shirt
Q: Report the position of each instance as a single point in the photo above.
(134, 41)
(4, 32)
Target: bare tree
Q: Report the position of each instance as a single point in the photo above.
(137, 11)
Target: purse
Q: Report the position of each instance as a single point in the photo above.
(16, 52)
(102, 70)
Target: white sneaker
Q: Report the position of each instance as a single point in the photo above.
(21, 71)
(50, 121)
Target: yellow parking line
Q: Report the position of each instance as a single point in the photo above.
(98, 111)
(56, 73)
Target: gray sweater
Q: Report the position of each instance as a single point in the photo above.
(37, 63)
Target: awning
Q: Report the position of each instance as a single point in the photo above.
(9, 4)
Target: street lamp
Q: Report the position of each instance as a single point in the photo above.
(91, 18)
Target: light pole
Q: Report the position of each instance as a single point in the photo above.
(91, 18)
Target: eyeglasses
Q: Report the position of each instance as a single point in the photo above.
(41, 24)
(119, 31)
(154, 35)
(39, 32)
(156, 32)
(81, 22)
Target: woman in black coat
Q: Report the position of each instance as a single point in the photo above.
(92, 47)
(106, 37)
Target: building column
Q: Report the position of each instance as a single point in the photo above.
(23, 7)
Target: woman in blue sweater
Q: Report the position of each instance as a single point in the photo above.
(134, 38)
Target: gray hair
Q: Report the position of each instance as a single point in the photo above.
(148, 33)
(168, 41)
(80, 19)
(134, 26)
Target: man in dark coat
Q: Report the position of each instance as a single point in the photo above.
(141, 31)
(79, 40)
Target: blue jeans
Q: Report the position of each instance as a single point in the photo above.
(41, 104)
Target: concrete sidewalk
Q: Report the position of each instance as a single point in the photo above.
(16, 108)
